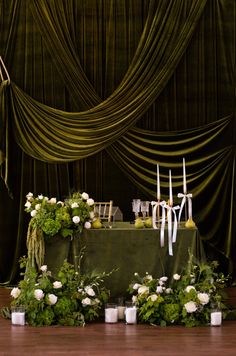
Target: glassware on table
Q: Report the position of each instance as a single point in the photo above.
(18, 315)
(111, 313)
(145, 208)
(130, 313)
(136, 204)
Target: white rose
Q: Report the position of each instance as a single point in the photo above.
(159, 290)
(15, 292)
(76, 219)
(190, 307)
(74, 205)
(91, 214)
(136, 286)
(153, 297)
(161, 283)
(46, 198)
(163, 279)
(134, 299)
(168, 290)
(37, 206)
(84, 196)
(87, 225)
(29, 195)
(89, 290)
(176, 276)
(60, 203)
(57, 285)
(33, 213)
(203, 298)
(86, 301)
(189, 288)
(27, 204)
(148, 277)
(52, 299)
(40, 197)
(44, 268)
(52, 201)
(90, 202)
(38, 293)
(143, 290)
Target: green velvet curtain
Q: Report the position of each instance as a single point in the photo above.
(102, 91)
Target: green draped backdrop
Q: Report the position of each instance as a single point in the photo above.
(100, 91)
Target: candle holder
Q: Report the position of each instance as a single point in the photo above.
(18, 316)
(130, 313)
(136, 204)
(216, 316)
(111, 313)
(121, 308)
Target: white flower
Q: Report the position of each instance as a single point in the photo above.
(15, 292)
(27, 204)
(134, 299)
(159, 290)
(84, 196)
(91, 214)
(148, 277)
(33, 213)
(86, 301)
(168, 290)
(37, 206)
(190, 307)
(76, 219)
(176, 276)
(136, 286)
(52, 201)
(40, 197)
(52, 299)
(46, 198)
(57, 284)
(44, 268)
(60, 203)
(153, 297)
(29, 195)
(74, 205)
(203, 298)
(136, 273)
(96, 301)
(189, 288)
(38, 293)
(90, 202)
(143, 290)
(89, 291)
(163, 279)
(87, 225)
(161, 283)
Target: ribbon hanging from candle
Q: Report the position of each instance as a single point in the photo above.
(183, 202)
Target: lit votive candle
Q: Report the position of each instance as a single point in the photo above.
(18, 316)
(111, 313)
(216, 318)
(130, 313)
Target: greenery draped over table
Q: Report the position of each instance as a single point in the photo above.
(102, 91)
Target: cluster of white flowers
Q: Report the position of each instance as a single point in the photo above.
(88, 293)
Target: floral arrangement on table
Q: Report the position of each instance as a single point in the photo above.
(50, 217)
(69, 299)
(187, 299)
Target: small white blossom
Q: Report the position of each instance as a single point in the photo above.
(40, 197)
(176, 276)
(89, 291)
(190, 307)
(136, 286)
(96, 301)
(143, 290)
(90, 202)
(46, 198)
(44, 268)
(134, 299)
(37, 206)
(163, 279)
(168, 290)
(33, 213)
(85, 196)
(136, 273)
(189, 288)
(87, 225)
(91, 214)
(52, 299)
(57, 284)
(74, 205)
(160, 283)
(148, 277)
(52, 201)
(29, 195)
(203, 298)
(86, 301)
(159, 290)
(27, 204)
(60, 203)
(153, 297)
(76, 219)
(38, 293)
(15, 292)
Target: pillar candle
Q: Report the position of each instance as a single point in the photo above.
(18, 318)
(216, 318)
(111, 315)
(131, 315)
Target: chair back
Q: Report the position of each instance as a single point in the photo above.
(103, 210)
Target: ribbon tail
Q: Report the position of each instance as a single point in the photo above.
(181, 207)
(162, 233)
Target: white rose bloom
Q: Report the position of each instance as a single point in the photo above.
(148, 277)
(15, 292)
(153, 297)
(89, 291)
(46, 198)
(61, 203)
(203, 298)
(176, 276)
(134, 299)
(33, 213)
(84, 196)
(76, 219)
(86, 301)
(74, 205)
(44, 268)
(87, 225)
(38, 293)
(143, 290)
(37, 206)
(161, 283)
(190, 307)
(136, 286)
(168, 290)
(189, 288)
(29, 195)
(57, 285)
(52, 201)
(27, 204)
(91, 214)
(90, 202)
(40, 197)
(163, 279)
(159, 290)
(52, 299)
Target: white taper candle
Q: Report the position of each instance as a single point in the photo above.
(158, 184)
(184, 178)
(170, 189)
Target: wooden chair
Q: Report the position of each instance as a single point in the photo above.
(103, 210)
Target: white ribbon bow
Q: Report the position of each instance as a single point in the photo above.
(184, 197)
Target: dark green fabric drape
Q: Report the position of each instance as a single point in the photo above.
(140, 82)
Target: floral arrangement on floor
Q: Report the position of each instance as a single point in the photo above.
(187, 299)
(50, 217)
(69, 299)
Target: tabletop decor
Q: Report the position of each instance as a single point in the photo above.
(184, 299)
(70, 298)
(50, 217)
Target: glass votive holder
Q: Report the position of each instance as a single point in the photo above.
(18, 316)
(111, 313)
(216, 317)
(130, 313)
(121, 308)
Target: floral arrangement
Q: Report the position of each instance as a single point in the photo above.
(50, 217)
(187, 299)
(69, 299)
